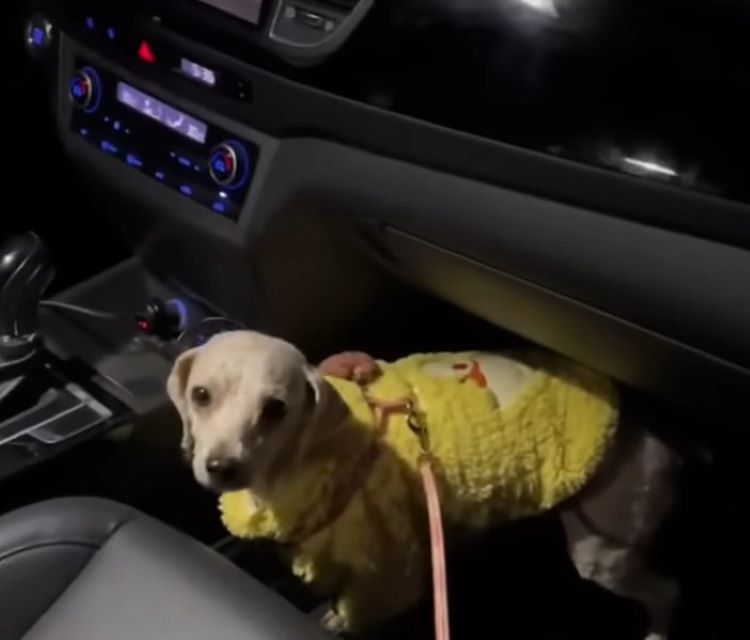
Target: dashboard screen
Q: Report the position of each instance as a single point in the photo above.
(248, 10)
(161, 112)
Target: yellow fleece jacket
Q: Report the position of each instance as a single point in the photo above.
(495, 463)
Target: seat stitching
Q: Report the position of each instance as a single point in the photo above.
(44, 545)
(96, 549)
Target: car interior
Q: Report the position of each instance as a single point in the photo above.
(387, 176)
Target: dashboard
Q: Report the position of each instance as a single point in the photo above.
(572, 171)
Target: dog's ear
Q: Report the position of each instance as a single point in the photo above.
(323, 401)
(325, 413)
(315, 409)
(315, 386)
(177, 392)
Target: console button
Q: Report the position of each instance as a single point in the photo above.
(84, 91)
(228, 164)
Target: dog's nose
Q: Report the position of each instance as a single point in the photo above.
(223, 469)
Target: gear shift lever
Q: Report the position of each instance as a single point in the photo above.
(25, 273)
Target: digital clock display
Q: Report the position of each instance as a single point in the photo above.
(198, 72)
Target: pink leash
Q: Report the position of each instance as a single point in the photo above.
(439, 569)
(432, 495)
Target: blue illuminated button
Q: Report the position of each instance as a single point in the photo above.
(134, 161)
(83, 89)
(225, 165)
(108, 147)
(38, 37)
(160, 175)
(219, 207)
(186, 190)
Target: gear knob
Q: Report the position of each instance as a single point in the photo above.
(25, 274)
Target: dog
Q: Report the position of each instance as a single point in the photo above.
(257, 417)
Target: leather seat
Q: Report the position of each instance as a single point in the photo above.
(89, 569)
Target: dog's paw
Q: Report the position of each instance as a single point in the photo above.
(333, 622)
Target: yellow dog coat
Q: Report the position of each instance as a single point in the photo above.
(496, 462)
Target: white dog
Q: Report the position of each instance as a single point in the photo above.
(253, 410)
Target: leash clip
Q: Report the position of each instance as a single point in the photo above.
(419, 430)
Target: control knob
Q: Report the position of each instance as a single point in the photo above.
(229, 165)
(84, 90)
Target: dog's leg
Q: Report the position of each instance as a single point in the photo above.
(365, 600)
(611, 526)
(658, 595)
(332, 622)
(358, 606)
(623, 571)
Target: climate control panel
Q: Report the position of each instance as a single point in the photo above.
(194, 158)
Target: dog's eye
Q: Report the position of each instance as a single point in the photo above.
(273, 412)
(201, 396)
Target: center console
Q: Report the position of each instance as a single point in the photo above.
(89, 360)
